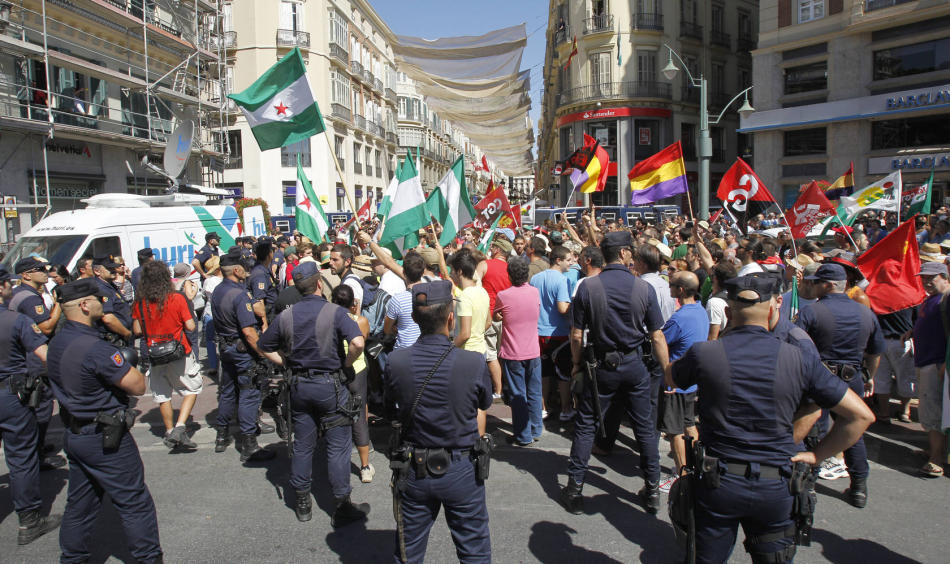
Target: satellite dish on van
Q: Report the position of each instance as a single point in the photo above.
(178, 148)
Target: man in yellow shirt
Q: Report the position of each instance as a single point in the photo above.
(473, 318)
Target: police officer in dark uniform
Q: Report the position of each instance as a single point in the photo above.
(19, 337)
(747, 415)
(849, 339)
(28, 300)
(621, 312)
(212, 240)
(115, 325)
(261, 280)
(92, 380)
(235, 325)
(441, 414)
(310, 334)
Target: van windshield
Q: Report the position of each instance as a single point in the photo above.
(57, 249)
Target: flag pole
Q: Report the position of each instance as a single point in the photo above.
(689, 202)
(346, 191)
(846, 232)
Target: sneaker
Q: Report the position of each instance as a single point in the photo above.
(367, 473)
(184, 441)
(832, 469)
(567, 415)
(544, 414)
(171, 439)
(496, 397)
(667, 483)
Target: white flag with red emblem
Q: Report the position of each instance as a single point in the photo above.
(311, 221)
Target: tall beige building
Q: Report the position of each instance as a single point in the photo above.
(862, 81)
(613, 89)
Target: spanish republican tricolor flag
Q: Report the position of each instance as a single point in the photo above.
(589, 164)
(660, 176)
(844, 186)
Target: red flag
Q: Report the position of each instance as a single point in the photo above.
(740, 185)
(810, 208)
(485, 164)
(891, 267)
(715, 217)
(489, 208)
(511, 218)
(573, 52)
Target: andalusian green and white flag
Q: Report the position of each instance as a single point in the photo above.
(311, 221)
(408, 211)
(921, 196)
(387, 202)
(450, 204)
(279, 106)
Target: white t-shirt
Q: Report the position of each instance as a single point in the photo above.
(210, 284)
(750, 268)
(716, 309)
(353, 282)
(391, 283)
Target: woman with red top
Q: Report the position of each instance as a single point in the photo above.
(160, 315)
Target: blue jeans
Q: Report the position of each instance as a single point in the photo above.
(523, 378)
(209, 342)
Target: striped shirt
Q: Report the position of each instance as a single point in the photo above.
(399, 310)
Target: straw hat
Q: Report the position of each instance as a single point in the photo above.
(930, 252)
(362, 262)
(212, 265)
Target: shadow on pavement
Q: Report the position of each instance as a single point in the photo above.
(552, 542)
(51, 484)
(357, 545)
(838, 549)
(892, 454)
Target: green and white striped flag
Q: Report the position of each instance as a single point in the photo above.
(387, 202)
(311, 221)
(279, 106)
(484, 246)
(450, 204)
(407, 213)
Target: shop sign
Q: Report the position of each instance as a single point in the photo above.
(917, 163)
(919, 100)
(9, 207)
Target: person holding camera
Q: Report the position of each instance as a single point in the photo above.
(92, 380)
(162, 317)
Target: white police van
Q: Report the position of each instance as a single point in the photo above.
(173, 226)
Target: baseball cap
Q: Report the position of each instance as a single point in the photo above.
(502, 244)
(79, 289)
(210, 236)
(305, 270)
(27, 264)
(762, 286)
(829, 272)
(933, 269)
(182, 270)
(432, 293)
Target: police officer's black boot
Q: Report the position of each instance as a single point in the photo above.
(223, 439)
(250, 450)
(348, 512)
(650, 494)
(32, 526)
(572, 497)
(303, 509)
(858, 492)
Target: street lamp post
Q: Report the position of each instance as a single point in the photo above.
(705, 142)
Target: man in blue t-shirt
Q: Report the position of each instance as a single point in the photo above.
(688, 325)
(554, 326)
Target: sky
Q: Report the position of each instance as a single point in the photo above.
(432, 19)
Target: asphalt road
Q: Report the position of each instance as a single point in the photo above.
(213, 509)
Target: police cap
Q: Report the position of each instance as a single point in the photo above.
(79, 289)
(28, 264)
(305, 270)
(762, 286)
(430, 293)
(621, 238)
(105, 262)
(232, 258)
(145, 253)
(212, 235)
(829, 272)
(776, 277)
(5, 275)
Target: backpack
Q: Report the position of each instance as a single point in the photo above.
(374, 304)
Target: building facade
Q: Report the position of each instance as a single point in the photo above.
(841, 81)
(88, 88)
(612, 88)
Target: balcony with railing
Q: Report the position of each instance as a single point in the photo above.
(340, 111)
(339, 53)
(368, 77)
(392, 138)
(745, 42)
(410, 116)
(691, 30)
(391, 96)
(293, 38)
(720, 38)
(598, 24)
(359, 122)
(378, 85)
(562, 35)
(880, 4)
(356, 69)
(616, 90)
(374, 129)
(644, 21)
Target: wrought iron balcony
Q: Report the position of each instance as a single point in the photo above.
(616, 90)
(598, 24)
(562, 35)
(359, 122)
(391, 96)
(293, 38)
(745, 43)
(392, 138)
(339, 53)
(374, 129)
(357, 69)
(368, 77)
(717, 37)
(648, 21)
(690, 29)
(340, 111)
(378, 85)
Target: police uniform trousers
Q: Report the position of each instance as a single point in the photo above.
(466, 511)
(762, 506)
(94, 472)
(613, 417)
(316, 404)
(855, 456)
(18, 432)
(236, 391)
(630, 386)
